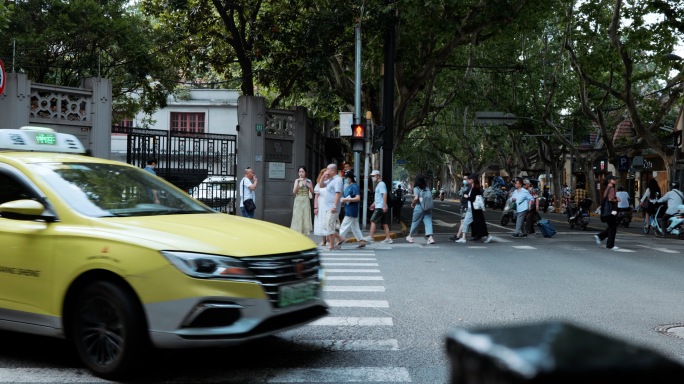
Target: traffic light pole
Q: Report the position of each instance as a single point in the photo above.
(388, 112)
(357, 88)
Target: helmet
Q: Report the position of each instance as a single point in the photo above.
(674, 185)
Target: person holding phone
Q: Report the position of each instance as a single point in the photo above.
(301, 209)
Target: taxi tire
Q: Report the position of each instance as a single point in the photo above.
(109, 330)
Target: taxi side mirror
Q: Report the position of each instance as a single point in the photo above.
(24, 210)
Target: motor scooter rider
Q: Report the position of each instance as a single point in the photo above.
(623, 199)
(673, 198)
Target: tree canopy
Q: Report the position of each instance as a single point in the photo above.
(53, 43)
(568, 66)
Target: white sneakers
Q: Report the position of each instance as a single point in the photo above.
(616, 248)
(598, 240)
(431, 240)
(409, 239)
(388, 241)
(488, 239)
(461, 240)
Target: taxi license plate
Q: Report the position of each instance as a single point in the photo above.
(296, 293)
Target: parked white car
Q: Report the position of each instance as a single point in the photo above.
(218, 192)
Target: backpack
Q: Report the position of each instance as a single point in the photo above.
(426, 200)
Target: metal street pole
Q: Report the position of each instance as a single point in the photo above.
(388, 110)
(357, 88)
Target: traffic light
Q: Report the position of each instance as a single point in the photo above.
(358, 137)
(358, 131)
(377, 137)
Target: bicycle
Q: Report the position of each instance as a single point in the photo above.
(649, 223)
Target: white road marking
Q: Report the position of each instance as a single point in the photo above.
(443, 223)
(341, 278)
(346, 345)
(49, 375)
(354, 321)
(328, 270)
(349, 258)
(353, 288)
(330, 375)
(524, 247)
(307, 375)
(358, 303)
(666, 250)
(325, 263)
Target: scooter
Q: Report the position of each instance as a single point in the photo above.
(624, 216)
(509, 214)
(581, 218)
(441, 195)
(500, 199)
(675, 223)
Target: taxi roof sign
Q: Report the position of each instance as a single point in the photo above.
(39, 139)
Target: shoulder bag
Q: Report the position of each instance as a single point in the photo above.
(606, 208)
(479, 203)
(248, 203)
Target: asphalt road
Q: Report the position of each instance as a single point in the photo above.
(392, 306)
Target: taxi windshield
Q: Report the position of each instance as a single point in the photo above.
(99, 190)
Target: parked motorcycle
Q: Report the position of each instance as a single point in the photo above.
(579, 215)
(675, 225)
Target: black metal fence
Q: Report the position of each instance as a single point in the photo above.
(203, 164)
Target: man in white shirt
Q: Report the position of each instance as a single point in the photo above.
(623, 198)
(379, 208)
(522, 199)
(331, 207)
(247, 187)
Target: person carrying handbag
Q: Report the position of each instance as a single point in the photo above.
(248, 197)
(608, 215)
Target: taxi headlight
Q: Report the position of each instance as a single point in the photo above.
(208, 266)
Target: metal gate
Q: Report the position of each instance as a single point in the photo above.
(203, 164)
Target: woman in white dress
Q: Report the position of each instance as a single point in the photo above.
(319, 196)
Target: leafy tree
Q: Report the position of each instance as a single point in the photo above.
(58, 44)
(274, 48)
(5, 10)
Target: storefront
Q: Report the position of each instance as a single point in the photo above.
(647, 168)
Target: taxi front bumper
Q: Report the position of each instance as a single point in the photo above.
(219, 321)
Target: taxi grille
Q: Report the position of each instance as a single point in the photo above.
(278, 270)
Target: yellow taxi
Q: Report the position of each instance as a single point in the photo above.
(119, 261)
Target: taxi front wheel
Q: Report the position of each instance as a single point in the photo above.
(108, 330)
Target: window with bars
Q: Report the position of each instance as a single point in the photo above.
(126, 123)
(187, 122)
